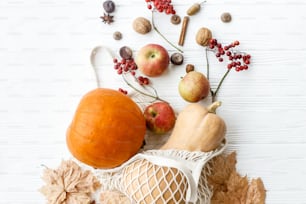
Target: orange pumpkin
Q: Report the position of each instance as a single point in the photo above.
(108, 128)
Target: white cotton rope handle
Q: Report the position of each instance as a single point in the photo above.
(93, 56)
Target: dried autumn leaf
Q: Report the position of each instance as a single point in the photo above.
(256, 192)
(221, 168)
(114, 197)
(229, 187)
(69, 184)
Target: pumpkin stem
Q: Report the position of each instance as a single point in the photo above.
(213, 107)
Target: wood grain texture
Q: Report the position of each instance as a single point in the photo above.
(45, 69)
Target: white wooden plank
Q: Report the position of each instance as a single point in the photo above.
(45, 69)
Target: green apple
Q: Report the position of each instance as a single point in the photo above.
(194, 86)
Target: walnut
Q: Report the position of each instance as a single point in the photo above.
(203, 36)
(142, 25)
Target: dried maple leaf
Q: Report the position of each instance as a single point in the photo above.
(69, 184)
(114, 197)
(256, 192)
(229, 187)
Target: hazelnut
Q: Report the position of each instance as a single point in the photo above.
(117, 35)
(175, 19)
(203, 36)
(189, 68)
(226, 17)
(142, 25)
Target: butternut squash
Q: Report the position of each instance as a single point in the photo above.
(197, 128)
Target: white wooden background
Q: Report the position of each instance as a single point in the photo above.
(45, 69)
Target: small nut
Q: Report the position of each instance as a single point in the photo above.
(226, 17)
(189, 68)
(195, 8)
(117, 35)
(177, 58)
(175, 19)
(126, 52)
(203, 36)
(142, 25)
(109, 6)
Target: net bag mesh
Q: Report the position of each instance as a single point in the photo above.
(162, 176)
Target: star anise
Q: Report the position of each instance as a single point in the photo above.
(107, 18)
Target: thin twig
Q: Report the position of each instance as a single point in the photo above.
(207, 63)
(155, 97)
(221, 82)
(207, 74)
(214, 93)
(155, 28)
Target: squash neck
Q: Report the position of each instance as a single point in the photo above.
(213, 107)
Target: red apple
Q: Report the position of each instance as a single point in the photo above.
(160, 117)
(152, 60)
(194, 86)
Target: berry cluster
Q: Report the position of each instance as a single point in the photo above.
(125, 66)
(161, 6)
(238, 60)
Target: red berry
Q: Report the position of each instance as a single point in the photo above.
(220, 59)
(119, 71)
(146, 81)
(212, 42)
(116, 66)
(125, 68)
(236, 43)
